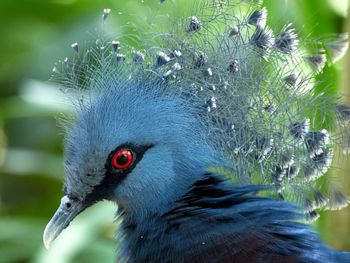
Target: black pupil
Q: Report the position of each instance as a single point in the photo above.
(122, 159)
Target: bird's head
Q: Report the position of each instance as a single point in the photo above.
(132, 146)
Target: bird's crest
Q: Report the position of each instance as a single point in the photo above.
(253, 89)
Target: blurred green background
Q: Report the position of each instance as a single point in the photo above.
(37, 33)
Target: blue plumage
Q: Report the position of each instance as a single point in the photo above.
(203, 142)
(217, 222)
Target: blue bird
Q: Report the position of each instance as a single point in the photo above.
(211, 143)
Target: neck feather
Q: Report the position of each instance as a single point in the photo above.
(213, 210)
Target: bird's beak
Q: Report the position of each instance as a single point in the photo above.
(65, 213)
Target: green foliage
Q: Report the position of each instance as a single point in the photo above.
(34, 35)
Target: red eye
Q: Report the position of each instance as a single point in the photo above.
(122, 159)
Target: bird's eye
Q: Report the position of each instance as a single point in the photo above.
(122, 159)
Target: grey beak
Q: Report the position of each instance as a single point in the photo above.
(65, 214)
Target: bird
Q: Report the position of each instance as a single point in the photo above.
(211, 140)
